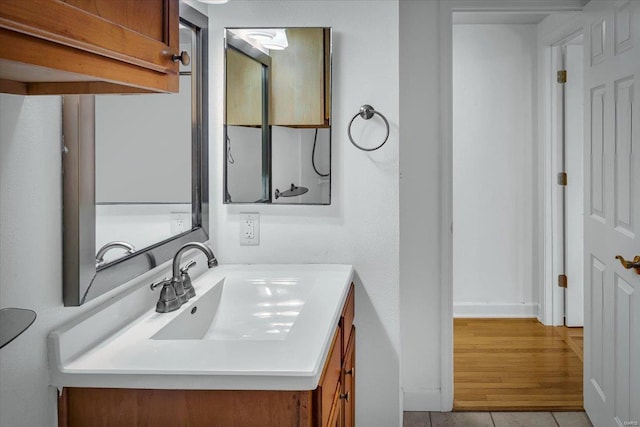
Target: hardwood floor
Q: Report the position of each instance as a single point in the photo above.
(516, 365)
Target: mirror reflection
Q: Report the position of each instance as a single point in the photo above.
(143, 176)
(278, 115)
(135, 181)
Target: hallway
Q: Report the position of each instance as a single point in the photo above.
(516, 365)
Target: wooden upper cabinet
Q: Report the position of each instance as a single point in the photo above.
(88, 46)
(300, 79)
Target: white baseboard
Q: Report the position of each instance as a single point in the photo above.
(421, 400)
(488, 310)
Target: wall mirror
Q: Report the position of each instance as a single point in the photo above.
(277, 124)
(135, 175)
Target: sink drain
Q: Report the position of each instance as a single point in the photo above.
(194, 309)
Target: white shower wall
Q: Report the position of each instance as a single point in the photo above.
(494, 116)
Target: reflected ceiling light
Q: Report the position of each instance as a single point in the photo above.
(279, 41)
(214, 1)
(273, 45)
(261, 35)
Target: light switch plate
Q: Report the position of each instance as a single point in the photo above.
(249, 227)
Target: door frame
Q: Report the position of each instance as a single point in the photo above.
(447, 8)
(552, 307)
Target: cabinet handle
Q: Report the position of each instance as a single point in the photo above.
(344, 396)
(183, 57)
(351, 371)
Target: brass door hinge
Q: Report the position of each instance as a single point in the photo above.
(562, 76)
(562, 178)
(562, 280)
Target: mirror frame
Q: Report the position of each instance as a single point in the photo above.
(82, 280)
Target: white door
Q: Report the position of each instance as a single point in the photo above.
(573, 192)
(612, 211)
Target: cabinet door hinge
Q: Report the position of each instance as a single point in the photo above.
(562, 178)
(562, 76)
(562, 280)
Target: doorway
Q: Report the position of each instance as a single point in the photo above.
(504, 357)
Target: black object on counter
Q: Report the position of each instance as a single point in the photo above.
(13, 322)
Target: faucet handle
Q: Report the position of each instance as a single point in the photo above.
(163, 282)
(169, 299)
(186, 280)
(186, 268)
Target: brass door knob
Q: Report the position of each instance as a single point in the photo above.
(635, 264)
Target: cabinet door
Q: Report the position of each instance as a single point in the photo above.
(348, 314)
(297, 93)
(327, 395)
(349, 381)
(244, 90)
(335, 417)
(79, 41)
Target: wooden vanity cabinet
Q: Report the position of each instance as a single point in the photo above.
(328, 393)
(349, 381)
(334, 397)
(331, 404)
(88, 46)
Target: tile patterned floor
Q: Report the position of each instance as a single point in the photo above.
(496, 419)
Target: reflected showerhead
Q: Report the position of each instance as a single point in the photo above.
(294, 191)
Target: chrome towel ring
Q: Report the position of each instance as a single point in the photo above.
(366, 112)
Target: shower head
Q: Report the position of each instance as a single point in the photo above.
(294, 191)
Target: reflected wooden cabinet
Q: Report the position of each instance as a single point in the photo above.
(331, 404)
(300, 79)
(244, 90)
(88, 46)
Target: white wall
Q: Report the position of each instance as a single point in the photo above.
(286, 153)
(318, 186)
(291, 163)
(244, 175)
(133, 127)
(494, 87)
(30, 248)
(142, 225)
(360, 226)
(31, 254)
(420, 206)
(291, 151)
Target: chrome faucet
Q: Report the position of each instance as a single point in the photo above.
(107, 247)
(178, 290)
(211, 258)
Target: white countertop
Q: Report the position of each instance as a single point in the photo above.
(256, 327)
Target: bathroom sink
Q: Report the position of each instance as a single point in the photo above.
(248, 308)
(249, 327)
(195, 319)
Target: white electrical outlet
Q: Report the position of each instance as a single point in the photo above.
(249, 228)
(180, 222)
